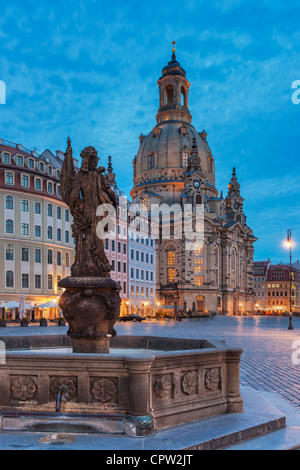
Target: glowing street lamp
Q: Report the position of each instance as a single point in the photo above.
(289, 244)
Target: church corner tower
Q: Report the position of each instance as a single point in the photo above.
(175, 166)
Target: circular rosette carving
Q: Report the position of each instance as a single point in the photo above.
(163, 386)
(104, 390)
(23, 388)
(212, 379)
(189, 383)
(65, 384)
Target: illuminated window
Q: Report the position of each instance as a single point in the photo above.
(9, 252)
(171, 258)
(199, 267)
(50, 281)
(67, 260)
(166, 117)
(146, 203)
(171, 275)
(185, 159)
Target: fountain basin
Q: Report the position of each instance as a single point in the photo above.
(146, 384)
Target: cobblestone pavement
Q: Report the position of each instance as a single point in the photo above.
(267, 361)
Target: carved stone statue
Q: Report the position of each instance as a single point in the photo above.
(83, 192)
(91, 301)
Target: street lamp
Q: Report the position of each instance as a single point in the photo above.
(289, 244)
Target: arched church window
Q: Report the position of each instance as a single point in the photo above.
(199, 267)
(171, 260)
(151, 161)
(146, 203)
(210, 165)
(185, 159)
(183, 97)
(233, 269)
(169, 95)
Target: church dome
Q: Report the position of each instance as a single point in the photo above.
(174, 148)
(170, 142)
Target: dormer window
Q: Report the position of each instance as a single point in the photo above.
(31, 163)
(42, 167)
(20, 160)
(6, 158)
(50, 170)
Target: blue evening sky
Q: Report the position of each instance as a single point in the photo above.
(89, 70)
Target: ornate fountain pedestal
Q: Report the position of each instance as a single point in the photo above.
(91, 306)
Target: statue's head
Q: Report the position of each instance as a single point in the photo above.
(90, 159)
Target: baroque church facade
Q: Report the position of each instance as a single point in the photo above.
(174, 165)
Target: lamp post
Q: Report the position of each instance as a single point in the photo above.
(289, 244)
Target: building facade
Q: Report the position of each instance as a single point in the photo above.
(141, 251)
(260, 273)
(175, 165)
(282, 290)
(36, 245)
(131, 253)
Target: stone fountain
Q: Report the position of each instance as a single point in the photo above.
(103, 382)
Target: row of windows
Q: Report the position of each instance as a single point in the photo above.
(115, 245)
(185, 161)
(10, 281)
(277, 294)
(32, 164)
(141, 256)
(144, 292)
(119, 267)
(25, 207)
(38, 183)
(25, 231)
(141, 275)
(25, 256)
(140, 239)
(282, 286)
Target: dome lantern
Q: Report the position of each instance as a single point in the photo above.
(173, 93)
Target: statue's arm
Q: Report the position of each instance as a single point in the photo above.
(106, 193)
